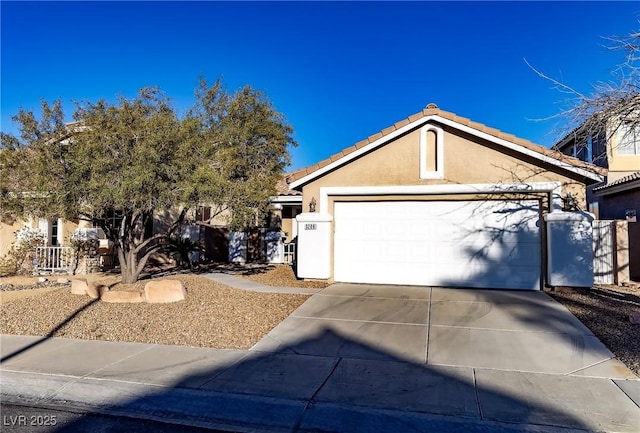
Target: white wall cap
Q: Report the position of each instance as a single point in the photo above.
(569, 216)
(285, 199)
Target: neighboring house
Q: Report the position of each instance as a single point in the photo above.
(619, 152)
(57, 232)
(286, 207)
(438, 200)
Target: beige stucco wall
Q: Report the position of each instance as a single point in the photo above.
(465, 161)
(68, 227)
(7, 235)
(7, 232)
(620, 165)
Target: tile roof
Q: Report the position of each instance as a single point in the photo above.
(621, 181)
(432, 110)
(282, 187)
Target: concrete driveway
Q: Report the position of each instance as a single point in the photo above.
(354, 358)
(523, 331)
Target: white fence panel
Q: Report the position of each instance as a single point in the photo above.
(603, 252)
(53, 259)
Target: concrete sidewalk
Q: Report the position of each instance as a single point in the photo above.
(353, 358)
(285, 392)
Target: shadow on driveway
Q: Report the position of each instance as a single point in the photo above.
(285, 391)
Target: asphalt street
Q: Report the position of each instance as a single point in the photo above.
(29, 419)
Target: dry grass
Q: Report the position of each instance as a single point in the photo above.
(213, 315)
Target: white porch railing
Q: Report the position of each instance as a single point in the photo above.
(289, 253)
(53, 259)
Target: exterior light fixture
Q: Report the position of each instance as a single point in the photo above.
(312, 204)
(569, 203)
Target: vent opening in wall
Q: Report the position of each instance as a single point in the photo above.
(431, 152)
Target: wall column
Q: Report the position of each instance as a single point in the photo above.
(313, 249)
(569, 249)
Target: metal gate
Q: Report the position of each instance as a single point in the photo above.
(604, 251)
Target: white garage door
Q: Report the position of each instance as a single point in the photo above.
(490, 244)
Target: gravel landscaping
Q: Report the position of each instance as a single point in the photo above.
(279, 276)
(605, 310)
(212, 315)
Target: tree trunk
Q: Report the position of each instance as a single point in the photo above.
(128, 266)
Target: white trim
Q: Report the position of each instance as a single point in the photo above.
(286, 199)
(554, 189)
(570, 216)
(60, 239)
(425, 173)
(483, 135)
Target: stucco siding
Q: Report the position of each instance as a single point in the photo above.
(466, 161)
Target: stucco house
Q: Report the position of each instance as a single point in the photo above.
(618, 151)
(440, 200)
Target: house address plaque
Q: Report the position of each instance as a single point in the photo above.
(310, 226)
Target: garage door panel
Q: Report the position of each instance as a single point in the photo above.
(467, 244)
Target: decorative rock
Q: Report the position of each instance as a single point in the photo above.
(42, 280)
(634, 318)
(79, 287)
(95, 291)
(164, 291)
(122, 296)
(62, 281)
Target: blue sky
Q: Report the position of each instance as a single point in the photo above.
(338, 71)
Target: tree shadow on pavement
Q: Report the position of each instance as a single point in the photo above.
(287, 390)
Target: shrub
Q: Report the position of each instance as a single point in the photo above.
(20, 257)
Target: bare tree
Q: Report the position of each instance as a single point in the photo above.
(613, 108)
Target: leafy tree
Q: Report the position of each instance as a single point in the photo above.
(119, 164)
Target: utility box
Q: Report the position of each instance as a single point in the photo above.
(569, 249)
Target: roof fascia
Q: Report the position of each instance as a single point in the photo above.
(614, 189)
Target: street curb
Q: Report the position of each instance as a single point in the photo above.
(232, 412)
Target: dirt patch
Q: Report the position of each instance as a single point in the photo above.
(213, 315)
(605, 311)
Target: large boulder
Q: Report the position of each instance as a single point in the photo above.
(122, 296)
(95, 290)
(164, 291)
(78, 286)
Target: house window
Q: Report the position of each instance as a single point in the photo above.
(291, 211)
(431, 152)
(203, 213)
(629, 136)
(113, 219)
(53, 233)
